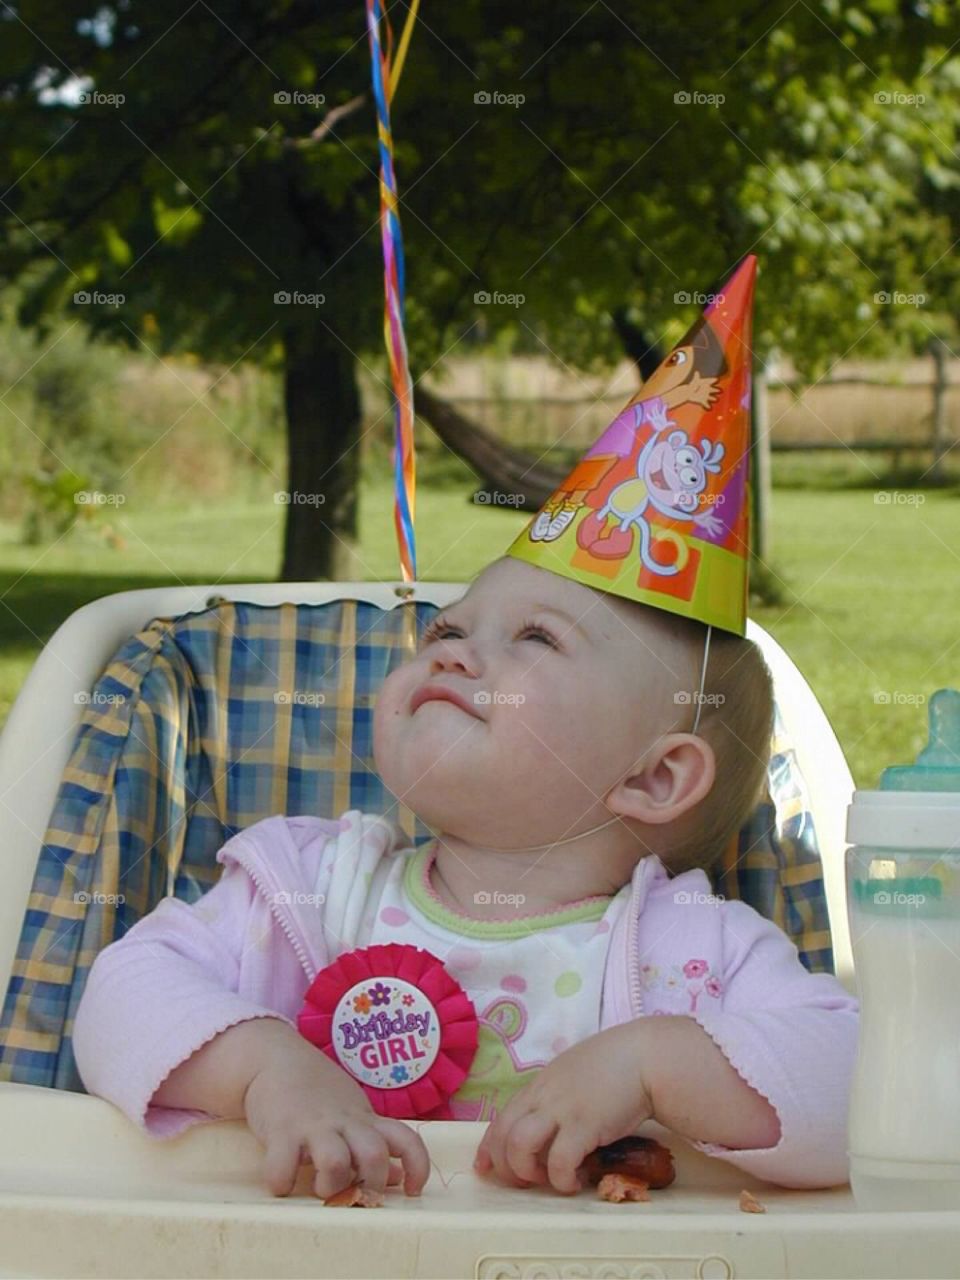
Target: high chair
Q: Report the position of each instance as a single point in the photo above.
(153, 725)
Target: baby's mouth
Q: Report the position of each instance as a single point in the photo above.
(460, 704)
(446, 702)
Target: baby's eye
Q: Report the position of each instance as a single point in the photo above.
(435, 631)
(529, 629)
(441, 630)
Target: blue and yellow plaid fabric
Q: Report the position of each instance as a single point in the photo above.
(206, 723)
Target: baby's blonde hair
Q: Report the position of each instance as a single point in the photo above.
(740, 731)
(736, 719)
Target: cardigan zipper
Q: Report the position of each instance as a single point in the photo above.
(279, 916)
(633, 958)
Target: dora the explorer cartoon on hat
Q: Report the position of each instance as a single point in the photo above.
(670, 471)
(658, 510)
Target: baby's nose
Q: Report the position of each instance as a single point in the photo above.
(448, 661)
(454, 654)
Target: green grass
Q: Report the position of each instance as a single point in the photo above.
(871, 600)
(875, 611)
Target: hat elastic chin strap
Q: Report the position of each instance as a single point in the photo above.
(580, 834)
(703, 677)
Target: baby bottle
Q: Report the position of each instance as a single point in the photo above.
(903, 905)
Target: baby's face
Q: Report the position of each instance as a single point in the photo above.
(561, 692)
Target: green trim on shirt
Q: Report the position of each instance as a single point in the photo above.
(415, 883)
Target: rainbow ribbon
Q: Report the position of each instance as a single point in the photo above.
(386, 74)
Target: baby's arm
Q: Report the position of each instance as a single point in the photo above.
(216, 1077)
(296, 1100)
(664, 1068)
(695, 1091)
(163, 1032)
(163, 991)
(792, 1036)
(759, 1078)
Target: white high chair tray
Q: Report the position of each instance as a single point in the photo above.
(83, 1193)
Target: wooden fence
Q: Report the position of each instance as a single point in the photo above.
(895, 417)
(918, 420)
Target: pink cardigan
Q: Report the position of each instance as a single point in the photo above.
(252, 945)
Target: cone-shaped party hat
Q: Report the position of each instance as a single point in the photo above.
(658, 509)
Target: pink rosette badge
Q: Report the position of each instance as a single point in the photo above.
(399, 1023)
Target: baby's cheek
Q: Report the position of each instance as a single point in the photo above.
(390, 699)
(385, 722)
(595, 746)
(556, 733)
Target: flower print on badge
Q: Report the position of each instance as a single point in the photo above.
(693, 978)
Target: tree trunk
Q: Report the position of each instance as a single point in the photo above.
(646, 353)
(323, 411)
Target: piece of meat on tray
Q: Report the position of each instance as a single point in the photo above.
(644, 1159)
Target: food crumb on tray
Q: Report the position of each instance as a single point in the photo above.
(356, 1196)
(750, 1204)
(617, 1187)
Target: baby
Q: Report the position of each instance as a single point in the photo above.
(543, 730)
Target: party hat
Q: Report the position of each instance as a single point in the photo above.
(658, 509)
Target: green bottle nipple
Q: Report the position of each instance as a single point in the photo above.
(938, 764)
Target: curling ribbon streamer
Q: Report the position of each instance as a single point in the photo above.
(386, 74)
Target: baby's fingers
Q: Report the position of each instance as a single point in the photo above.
(407, 1145)
(371, 1156)
(567, 1152)
(332, 1161)
(523, 1145)
(493, 1153)
(282, 1163)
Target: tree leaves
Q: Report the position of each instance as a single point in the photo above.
(203, 194)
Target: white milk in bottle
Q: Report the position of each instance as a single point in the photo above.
(903, 902)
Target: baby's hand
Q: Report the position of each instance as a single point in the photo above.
(302, 1105)
(586, 1097)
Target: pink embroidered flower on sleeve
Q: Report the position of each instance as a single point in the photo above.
(691, 980)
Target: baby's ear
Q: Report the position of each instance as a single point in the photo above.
(675, 779)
